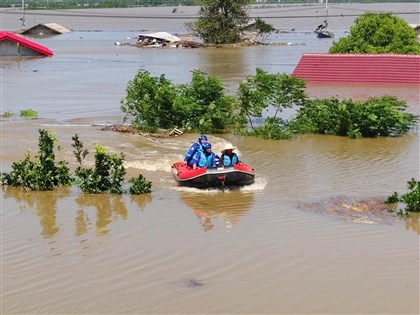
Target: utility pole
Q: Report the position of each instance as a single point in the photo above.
(23, 14)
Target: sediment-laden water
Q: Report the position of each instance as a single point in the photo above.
(262, 249)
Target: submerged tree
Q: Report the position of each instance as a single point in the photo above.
(278, 91)
(220, 21)
(378, 33)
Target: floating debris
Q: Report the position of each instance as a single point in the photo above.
(365, 211)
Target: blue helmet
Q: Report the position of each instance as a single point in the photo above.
(202, 137)
(206, 145)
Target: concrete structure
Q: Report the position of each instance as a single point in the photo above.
(359, 68)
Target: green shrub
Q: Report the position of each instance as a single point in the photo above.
(203, 106)
(383, 116)
(263, 90)
(155, 103)
(42, 173)
(149, 101)
(140, 185)
(411, 199)
(29, 113)
(108, 174)
(7, 114)
(274, 128)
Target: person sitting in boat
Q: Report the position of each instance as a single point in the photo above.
(196, 146)
(204, 158)
(229, 157)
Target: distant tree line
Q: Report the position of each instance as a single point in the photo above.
(70, 4)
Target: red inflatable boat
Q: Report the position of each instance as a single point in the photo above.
(218, 177)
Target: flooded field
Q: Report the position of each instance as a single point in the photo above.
(283, 245)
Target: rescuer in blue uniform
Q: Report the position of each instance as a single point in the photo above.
(204, 158)
(196, 146)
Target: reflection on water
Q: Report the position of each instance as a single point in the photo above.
(412, 222)
(44, 203)
(109, 207)
(228, 207)
(141, 200)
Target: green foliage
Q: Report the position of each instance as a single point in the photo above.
(383, 116)
(203, 106)
(378, 33)
(200, 105)
(253, 95)
(263, 27)
(106, 176)
(7, 114)
(278, 91)
(79, 151)
(274, 128)
(42, 173)
(411, 199)
(150, 101)
(392, 199)
(220, 21)
(140, 185)
(29, 113)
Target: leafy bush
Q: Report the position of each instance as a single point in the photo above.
(203, 105)
(7, 114)
(278, 91)
(150, 101)
(140, 185)
(30, 113)
(108, 174)
(198, 106)
(381, 116)
(273, 128)
(42, 173)
(411, 198)
(378, 33)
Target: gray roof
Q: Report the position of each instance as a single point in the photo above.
(162, 35)
(52, 26)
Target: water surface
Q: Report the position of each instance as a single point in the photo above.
(188, 251)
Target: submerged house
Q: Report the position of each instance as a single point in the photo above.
(46, 29)
(359, 68)
(158, 39)
(14, 45)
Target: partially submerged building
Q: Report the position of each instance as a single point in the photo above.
(359, 68)
(157, 39)
(416, 27)
(46, 29)
(14, 45)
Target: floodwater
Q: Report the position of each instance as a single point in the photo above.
(188, 251)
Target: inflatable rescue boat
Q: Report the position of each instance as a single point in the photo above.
(236, 175)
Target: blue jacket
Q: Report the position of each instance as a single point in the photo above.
(203, 159)
(196, 146)
(228, 161)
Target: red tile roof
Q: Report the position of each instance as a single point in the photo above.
(359, 68)
(4, 35)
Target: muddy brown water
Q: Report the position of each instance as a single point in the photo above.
(180, 250)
